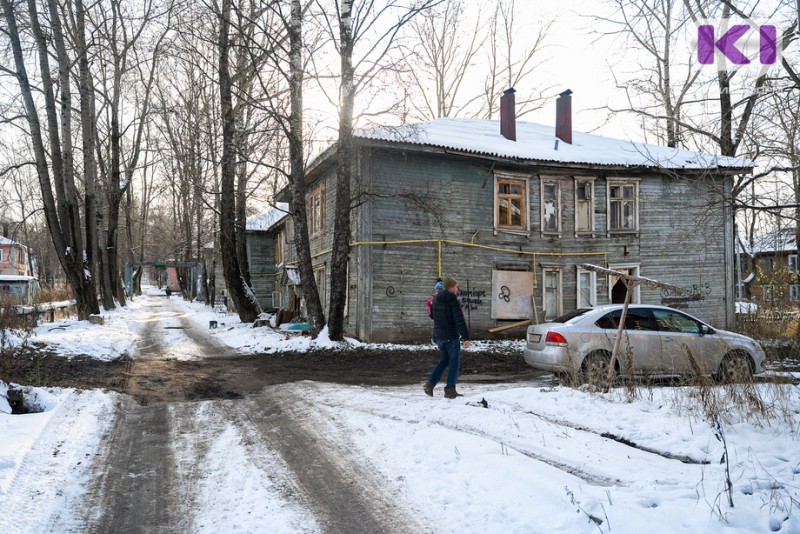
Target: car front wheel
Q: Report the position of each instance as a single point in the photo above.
(735, 367)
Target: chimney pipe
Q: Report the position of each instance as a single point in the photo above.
(564, 116)
(508, 117)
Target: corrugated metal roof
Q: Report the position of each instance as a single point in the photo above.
(538, 143)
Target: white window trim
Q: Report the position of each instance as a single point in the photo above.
(637, 293)
(593, 288)
(610, 182)
(557, 183)
(527, 196)
(559, 296)
(794, 292)
(792, 260)
(592, 222)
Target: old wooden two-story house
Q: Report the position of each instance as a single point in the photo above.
(511, 209)
(266, 243)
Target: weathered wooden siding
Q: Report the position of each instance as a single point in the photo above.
(427, 197)
(261, 257)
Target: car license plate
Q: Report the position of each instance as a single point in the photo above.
(534, 338)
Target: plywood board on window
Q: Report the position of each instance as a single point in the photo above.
(511, 295)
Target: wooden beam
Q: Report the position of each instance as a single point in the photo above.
(508, 326)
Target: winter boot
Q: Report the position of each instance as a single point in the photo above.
(451, 393)
(428, 387)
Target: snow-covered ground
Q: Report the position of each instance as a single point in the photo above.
(503, 458)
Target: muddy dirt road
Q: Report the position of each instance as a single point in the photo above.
(161, 466)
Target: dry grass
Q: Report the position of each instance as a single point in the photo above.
(15, 330)
(56, 293)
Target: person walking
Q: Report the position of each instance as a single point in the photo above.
(449, 328)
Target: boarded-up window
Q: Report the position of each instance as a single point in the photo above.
(511, 207)
(551, 207)
(584, 206)
(511, 295)
(316, 210)
(622, 207)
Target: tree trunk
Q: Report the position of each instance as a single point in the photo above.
(316, 317)
(344, 167)
(62, 212)
(242, 296)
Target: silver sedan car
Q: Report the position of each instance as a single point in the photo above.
(656, 340)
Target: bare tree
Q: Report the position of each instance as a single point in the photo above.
(354, 27)
(446, 47)
(510, 65)
(242, 295)
(55, 166)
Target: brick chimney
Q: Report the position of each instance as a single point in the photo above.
(564, 116)
(508, 115)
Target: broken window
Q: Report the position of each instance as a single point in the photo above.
(511, 203)
(622, 207)
(584, 206)
(316, 210)
(551, 207)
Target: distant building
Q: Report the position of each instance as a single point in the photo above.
(13, 258)
(768, 268)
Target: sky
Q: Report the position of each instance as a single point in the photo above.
(518, 457)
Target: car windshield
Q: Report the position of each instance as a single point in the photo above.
(567, 317)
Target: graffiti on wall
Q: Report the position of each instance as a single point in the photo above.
(695, 293)
(472, 299)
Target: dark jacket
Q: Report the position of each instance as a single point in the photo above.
(448, 319)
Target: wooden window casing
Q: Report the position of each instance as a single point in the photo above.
(623, 206)
(316, 210)
(511, 203)
(551, 207)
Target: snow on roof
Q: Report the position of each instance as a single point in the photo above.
(538, 142)
(265, 221)
(15, 278)
(783, 240)
(6, 241)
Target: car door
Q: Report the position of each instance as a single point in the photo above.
(640, 339)
(680, 332)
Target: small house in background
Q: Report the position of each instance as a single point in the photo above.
(268, 252)
(20, 290)
(13, 258)
(512, 209)
(768, 268)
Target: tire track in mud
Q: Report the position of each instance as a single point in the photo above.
(343, 494)
(136, 490)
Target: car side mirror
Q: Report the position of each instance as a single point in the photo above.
(704, 329)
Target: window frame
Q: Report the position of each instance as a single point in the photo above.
(592, 289)
(622, 183)
(559, 293)
(636, 271)
(543, 182)
(515, 179)
(794, 292)
(316, 218)
(319, 271)
(279, 251)
(792, 263)
(589, 181)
